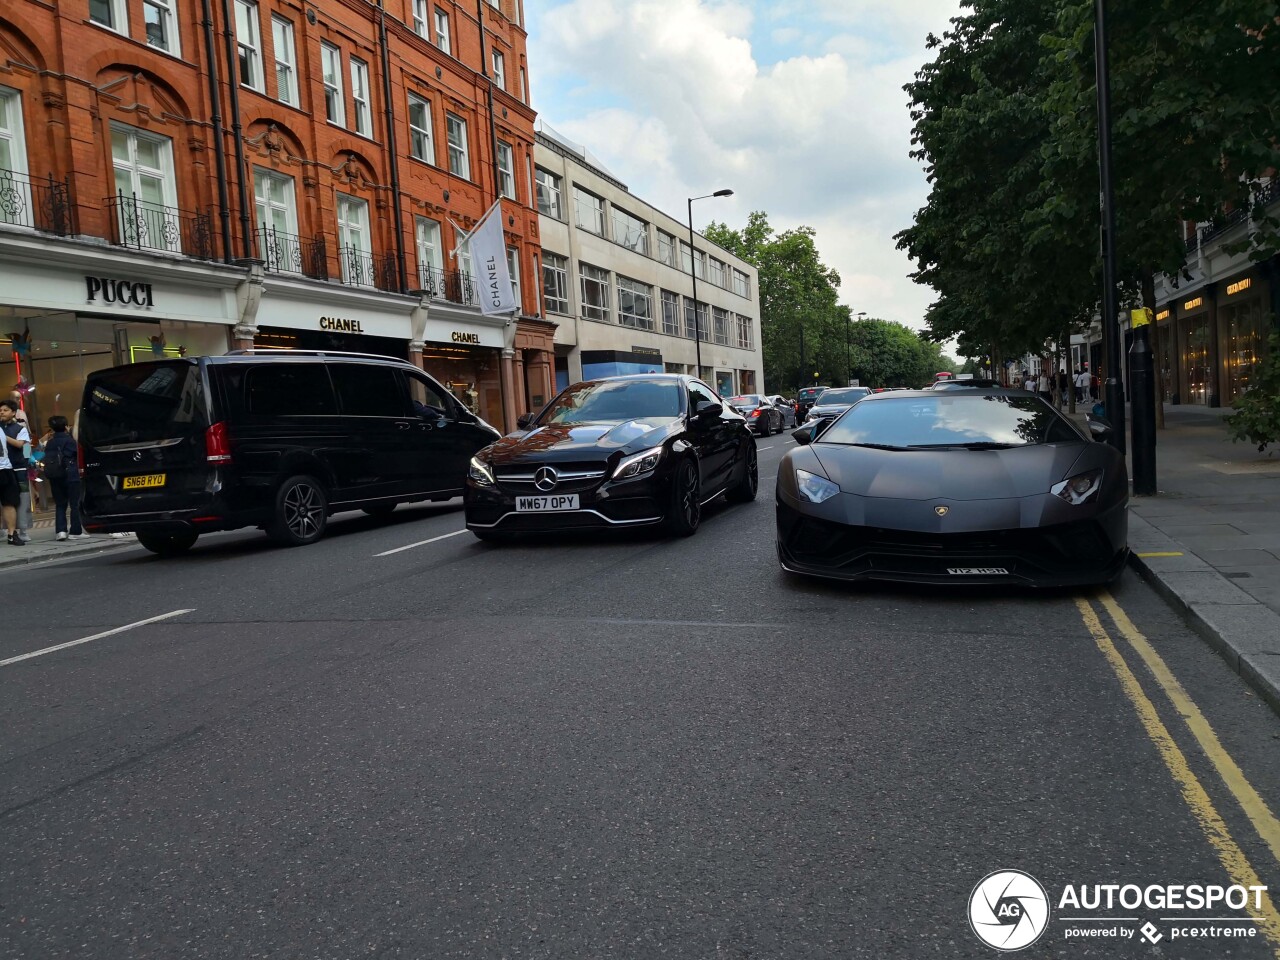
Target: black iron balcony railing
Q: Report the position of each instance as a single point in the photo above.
(359, 268)
(152, 226)
(1193, 241)
(37, 203)
(1266, 195)
(452, 285)
(285, 253)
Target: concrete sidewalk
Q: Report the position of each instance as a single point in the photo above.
(1210, 540)
(44, 546)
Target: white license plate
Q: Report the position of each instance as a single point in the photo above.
(977, 571)
(552, 504)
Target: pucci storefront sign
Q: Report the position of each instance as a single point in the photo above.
(113, 291)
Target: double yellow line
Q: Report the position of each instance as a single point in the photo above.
(1233, 859)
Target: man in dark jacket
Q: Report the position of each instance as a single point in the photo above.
(62, 470)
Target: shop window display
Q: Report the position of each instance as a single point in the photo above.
(1246, 325)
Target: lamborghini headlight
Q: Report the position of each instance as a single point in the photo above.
(814, 488)
(1079, 489)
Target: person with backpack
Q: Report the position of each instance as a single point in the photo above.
(62, 470)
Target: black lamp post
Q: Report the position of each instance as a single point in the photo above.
(848, 346)
(1113, 388)
(693, 274)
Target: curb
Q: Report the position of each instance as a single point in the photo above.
(1243, 631)
(89, 549)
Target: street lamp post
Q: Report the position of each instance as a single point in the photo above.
(1114, 390)
(693, 275)
(848, 346)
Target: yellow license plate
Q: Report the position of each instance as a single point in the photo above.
(143, 481)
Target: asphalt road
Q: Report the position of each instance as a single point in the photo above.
(401, 742)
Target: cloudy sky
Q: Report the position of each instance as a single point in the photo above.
(797, 105)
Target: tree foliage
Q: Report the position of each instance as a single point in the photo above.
(807, 336)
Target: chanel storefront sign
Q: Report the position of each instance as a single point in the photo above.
(340, 325)
(124, 292)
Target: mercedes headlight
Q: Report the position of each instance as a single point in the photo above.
(638, 464)
(1079, 489)
(481, 472)
(814, 488)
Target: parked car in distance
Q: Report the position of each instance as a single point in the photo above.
(277, 439)
(965, 384)
(835, 401)
(805, 398)
(761, 415)
(785, 407)
(631, 451)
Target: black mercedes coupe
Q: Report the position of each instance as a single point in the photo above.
(954, 487)
(615, 452)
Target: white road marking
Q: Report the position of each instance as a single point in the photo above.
(420, 543)
(96, 636)
(769, 447)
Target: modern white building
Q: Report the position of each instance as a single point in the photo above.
(617, 279)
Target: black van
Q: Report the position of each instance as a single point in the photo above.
(280, 440)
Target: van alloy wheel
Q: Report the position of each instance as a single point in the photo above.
(302, 512)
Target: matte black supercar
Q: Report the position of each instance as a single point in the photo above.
(956, 487)
(610, 453)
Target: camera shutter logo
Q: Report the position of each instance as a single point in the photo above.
(1009, 910)
(545, 479)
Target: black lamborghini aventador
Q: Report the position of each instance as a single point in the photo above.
(974, 486)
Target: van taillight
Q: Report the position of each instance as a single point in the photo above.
(217, 444)
(80, 458)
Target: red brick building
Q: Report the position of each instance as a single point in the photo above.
(187, 176)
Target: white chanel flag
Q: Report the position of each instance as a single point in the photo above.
(489, 260)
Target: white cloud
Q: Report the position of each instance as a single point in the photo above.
(672, 98)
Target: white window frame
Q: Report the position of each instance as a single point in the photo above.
(741, 283)
(421, 26)
(720, 325)
(623, 223)
(168, 25)
(555, 283)
(361, 99)
(506, 170)
(165, 173)
(636, 292)
(513, 267)
(118, 11)
(429, 237)
(499, 69)
(249, 49)
(459, 150)
(345, 206)
(441, 29)
(594, 207)
(285, 53)
(335, 105)
(417, 132)
(716, 273)
(551, 190)
(600, 283)
(263, 202)
(671, 313)
(524, 87)
(666, 248)
(13, 133)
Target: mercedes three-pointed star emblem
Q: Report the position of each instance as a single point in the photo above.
(545, 479)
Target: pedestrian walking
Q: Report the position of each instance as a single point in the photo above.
(62, 471)
(1045, 384)
(10, 497)
(18, 446)
(1082, 385)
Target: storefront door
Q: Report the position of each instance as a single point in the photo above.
(1246, 327)
(1196, 361)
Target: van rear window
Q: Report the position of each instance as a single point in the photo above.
(142, 403)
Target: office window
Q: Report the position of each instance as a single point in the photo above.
(670, 313)
(721, 318)
(499, 70)
(506, 171)
(113, 14)
(716, 275)
(666, 248)
(286, 72)
(746, 334)
(594, 284)
(355, 248)
(555, 283)
(459, 163)
(430, 256)
(548, 189)
(635, 304)
(331, 68)
(420, 25)
(360, 97)
(686, 258)
(631, 232)
(248, 44)
(590, 211)
(700, 263)
(421, 142)
(741, 283)
(161, 25)
(442, 30)
(689, 327)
